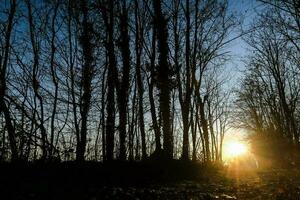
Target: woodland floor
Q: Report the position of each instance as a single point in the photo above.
(145, 181)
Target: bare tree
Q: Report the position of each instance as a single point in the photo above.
(163, 76)
(4, 60)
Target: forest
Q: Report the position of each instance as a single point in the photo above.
(150, 88)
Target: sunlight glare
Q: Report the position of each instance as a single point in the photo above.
(235, 149)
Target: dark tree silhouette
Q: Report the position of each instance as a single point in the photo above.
(3, 74)
(163, 77)
(104, 80)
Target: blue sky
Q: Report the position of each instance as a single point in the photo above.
(247, 9)
(238, 50)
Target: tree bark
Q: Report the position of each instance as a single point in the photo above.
(35, 81)
(139, 82)
(3, 88)
(111, 81)
(123, 91)
(54, 80)
(87, 76)
(163, 77)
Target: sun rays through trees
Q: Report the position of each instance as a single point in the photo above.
(108, 80)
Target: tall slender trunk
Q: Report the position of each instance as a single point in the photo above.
(193, 83)
(103, 88)
(139, 81)
(201, 137)
(156, 128)
(204, 126)
(72, 72)
(163, 77)
(187, 98)
(35, 81)
(124, 85)
(111, 81)
(132, 126)
(3, 68)
(87, 75)
(54, 80)
(194, 131)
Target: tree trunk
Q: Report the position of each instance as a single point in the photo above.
(139, 81)
(35, 81)
(87, 75)
(111, 82)
(123, 92)
(204, 126)
(3, 69)
(163, 77)
(156, 128)
(54, 80)
(187, 99)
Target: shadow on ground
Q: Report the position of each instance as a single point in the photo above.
(144, 180)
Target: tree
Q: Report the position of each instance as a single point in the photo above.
(139, 81)
(124, 83)
(108, 18)
(4, 60)
(160, 24)
(269, 99)
(87, 76)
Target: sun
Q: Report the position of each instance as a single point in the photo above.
(234, 149)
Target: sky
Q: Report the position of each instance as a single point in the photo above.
(239, 50)
(247, 9)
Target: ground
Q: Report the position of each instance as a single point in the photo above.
(144, 181)
(273, 185)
